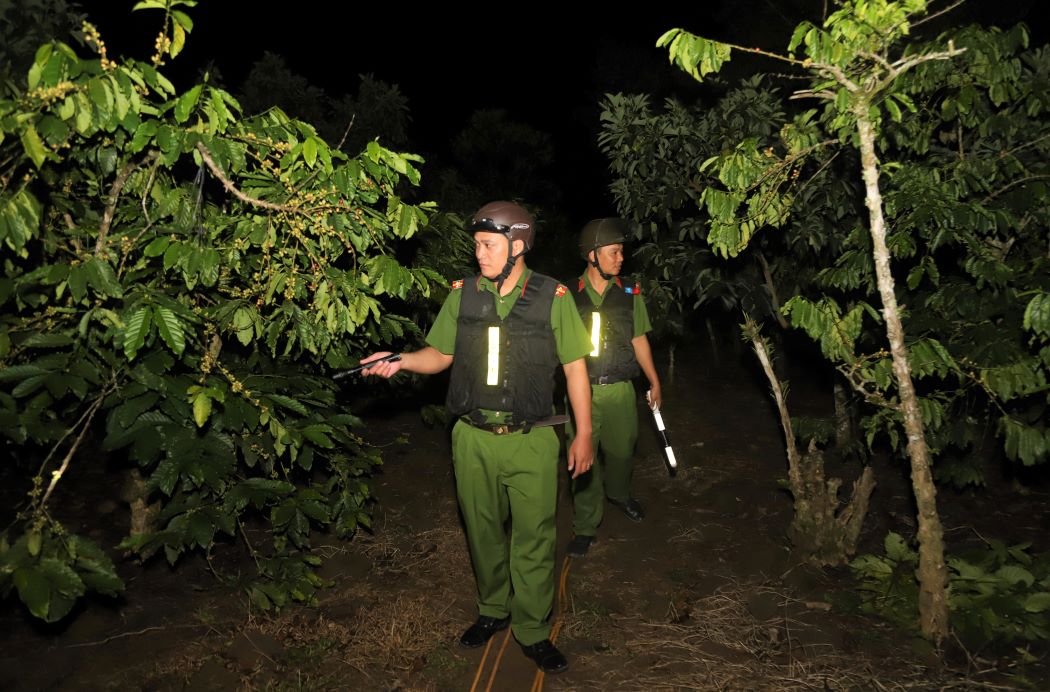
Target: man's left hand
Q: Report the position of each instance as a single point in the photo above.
(581, 455)
(655, 395)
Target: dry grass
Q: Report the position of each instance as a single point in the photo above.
(714, 643)
(394, 553)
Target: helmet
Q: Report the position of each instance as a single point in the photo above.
(601, 232)
(507, 218)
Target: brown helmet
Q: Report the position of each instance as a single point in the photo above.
(601, 232)
(508, 218)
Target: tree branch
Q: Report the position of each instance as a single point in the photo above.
(901, 66)
(794, 458)
(773, 296)
(56, 475)
(933, 16)
(836, 73)
(114, 196)
(231, 188)
(1012, 184)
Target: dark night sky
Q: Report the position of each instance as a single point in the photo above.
(547, 65)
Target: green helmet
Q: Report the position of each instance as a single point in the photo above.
(601, 232)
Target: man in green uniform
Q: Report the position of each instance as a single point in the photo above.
(614, 311)
(503, 333)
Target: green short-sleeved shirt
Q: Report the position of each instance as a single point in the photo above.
(642, 325)
(570, 336)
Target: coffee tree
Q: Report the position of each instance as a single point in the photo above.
(956, 205)
(179, 281)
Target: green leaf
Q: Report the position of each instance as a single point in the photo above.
(201, 408)
(34, 590)
(22, 372)
(178, 39)
(1037, 602)
(182, 19)
(310, 151)
(102, 277)
(1013, 574)
(138, 327)
(288, 403)
(47, 341)
(897, 549)
(186, 103)
(170, 329)
(34, 148)
(243, 325)
(33, 542)
(1037, 315)
(157, 246)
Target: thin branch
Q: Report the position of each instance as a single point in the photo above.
(56, 476)
(346, 133)
(837, 74)
(773, 296)
(145, 214)
(114, 196)
(768, 54)
(1012, 184)
(933, 16)
(1011, 152)
(794, 460)
(877, 58)
(902, 66)
(228, 184)
(810, 93)
(869, 396)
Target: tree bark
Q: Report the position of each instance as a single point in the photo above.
(843, 417)
(822, 529)
(932, 572)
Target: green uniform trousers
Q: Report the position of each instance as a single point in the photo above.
(614, 425)
(513, 475)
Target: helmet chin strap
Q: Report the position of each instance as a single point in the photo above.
(508, 267)
(598, 266)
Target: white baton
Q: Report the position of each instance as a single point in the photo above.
(663, 434)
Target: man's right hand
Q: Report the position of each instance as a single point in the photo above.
(385, 369)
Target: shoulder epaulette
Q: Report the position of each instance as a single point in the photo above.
(560, 290)
(458, 283)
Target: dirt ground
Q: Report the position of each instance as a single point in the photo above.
(702, 595)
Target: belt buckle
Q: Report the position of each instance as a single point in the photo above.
(501, 429)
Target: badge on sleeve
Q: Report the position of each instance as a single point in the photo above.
(633, 290)
(560, 290)
(458, 283)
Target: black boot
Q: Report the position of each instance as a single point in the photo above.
(546, 656)
(482, 630)
(631, 508)
(579, 545)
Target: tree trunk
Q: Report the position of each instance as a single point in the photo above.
(932, 572)
(843, 416)
(821, 529)
(136, 494)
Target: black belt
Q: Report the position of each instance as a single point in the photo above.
(496, 428)
(507, 428)
(608, 379)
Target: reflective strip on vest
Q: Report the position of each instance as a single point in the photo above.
(492, 378)
(596, 332)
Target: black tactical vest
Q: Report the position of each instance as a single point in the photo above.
(615, 361)
(527, 353)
